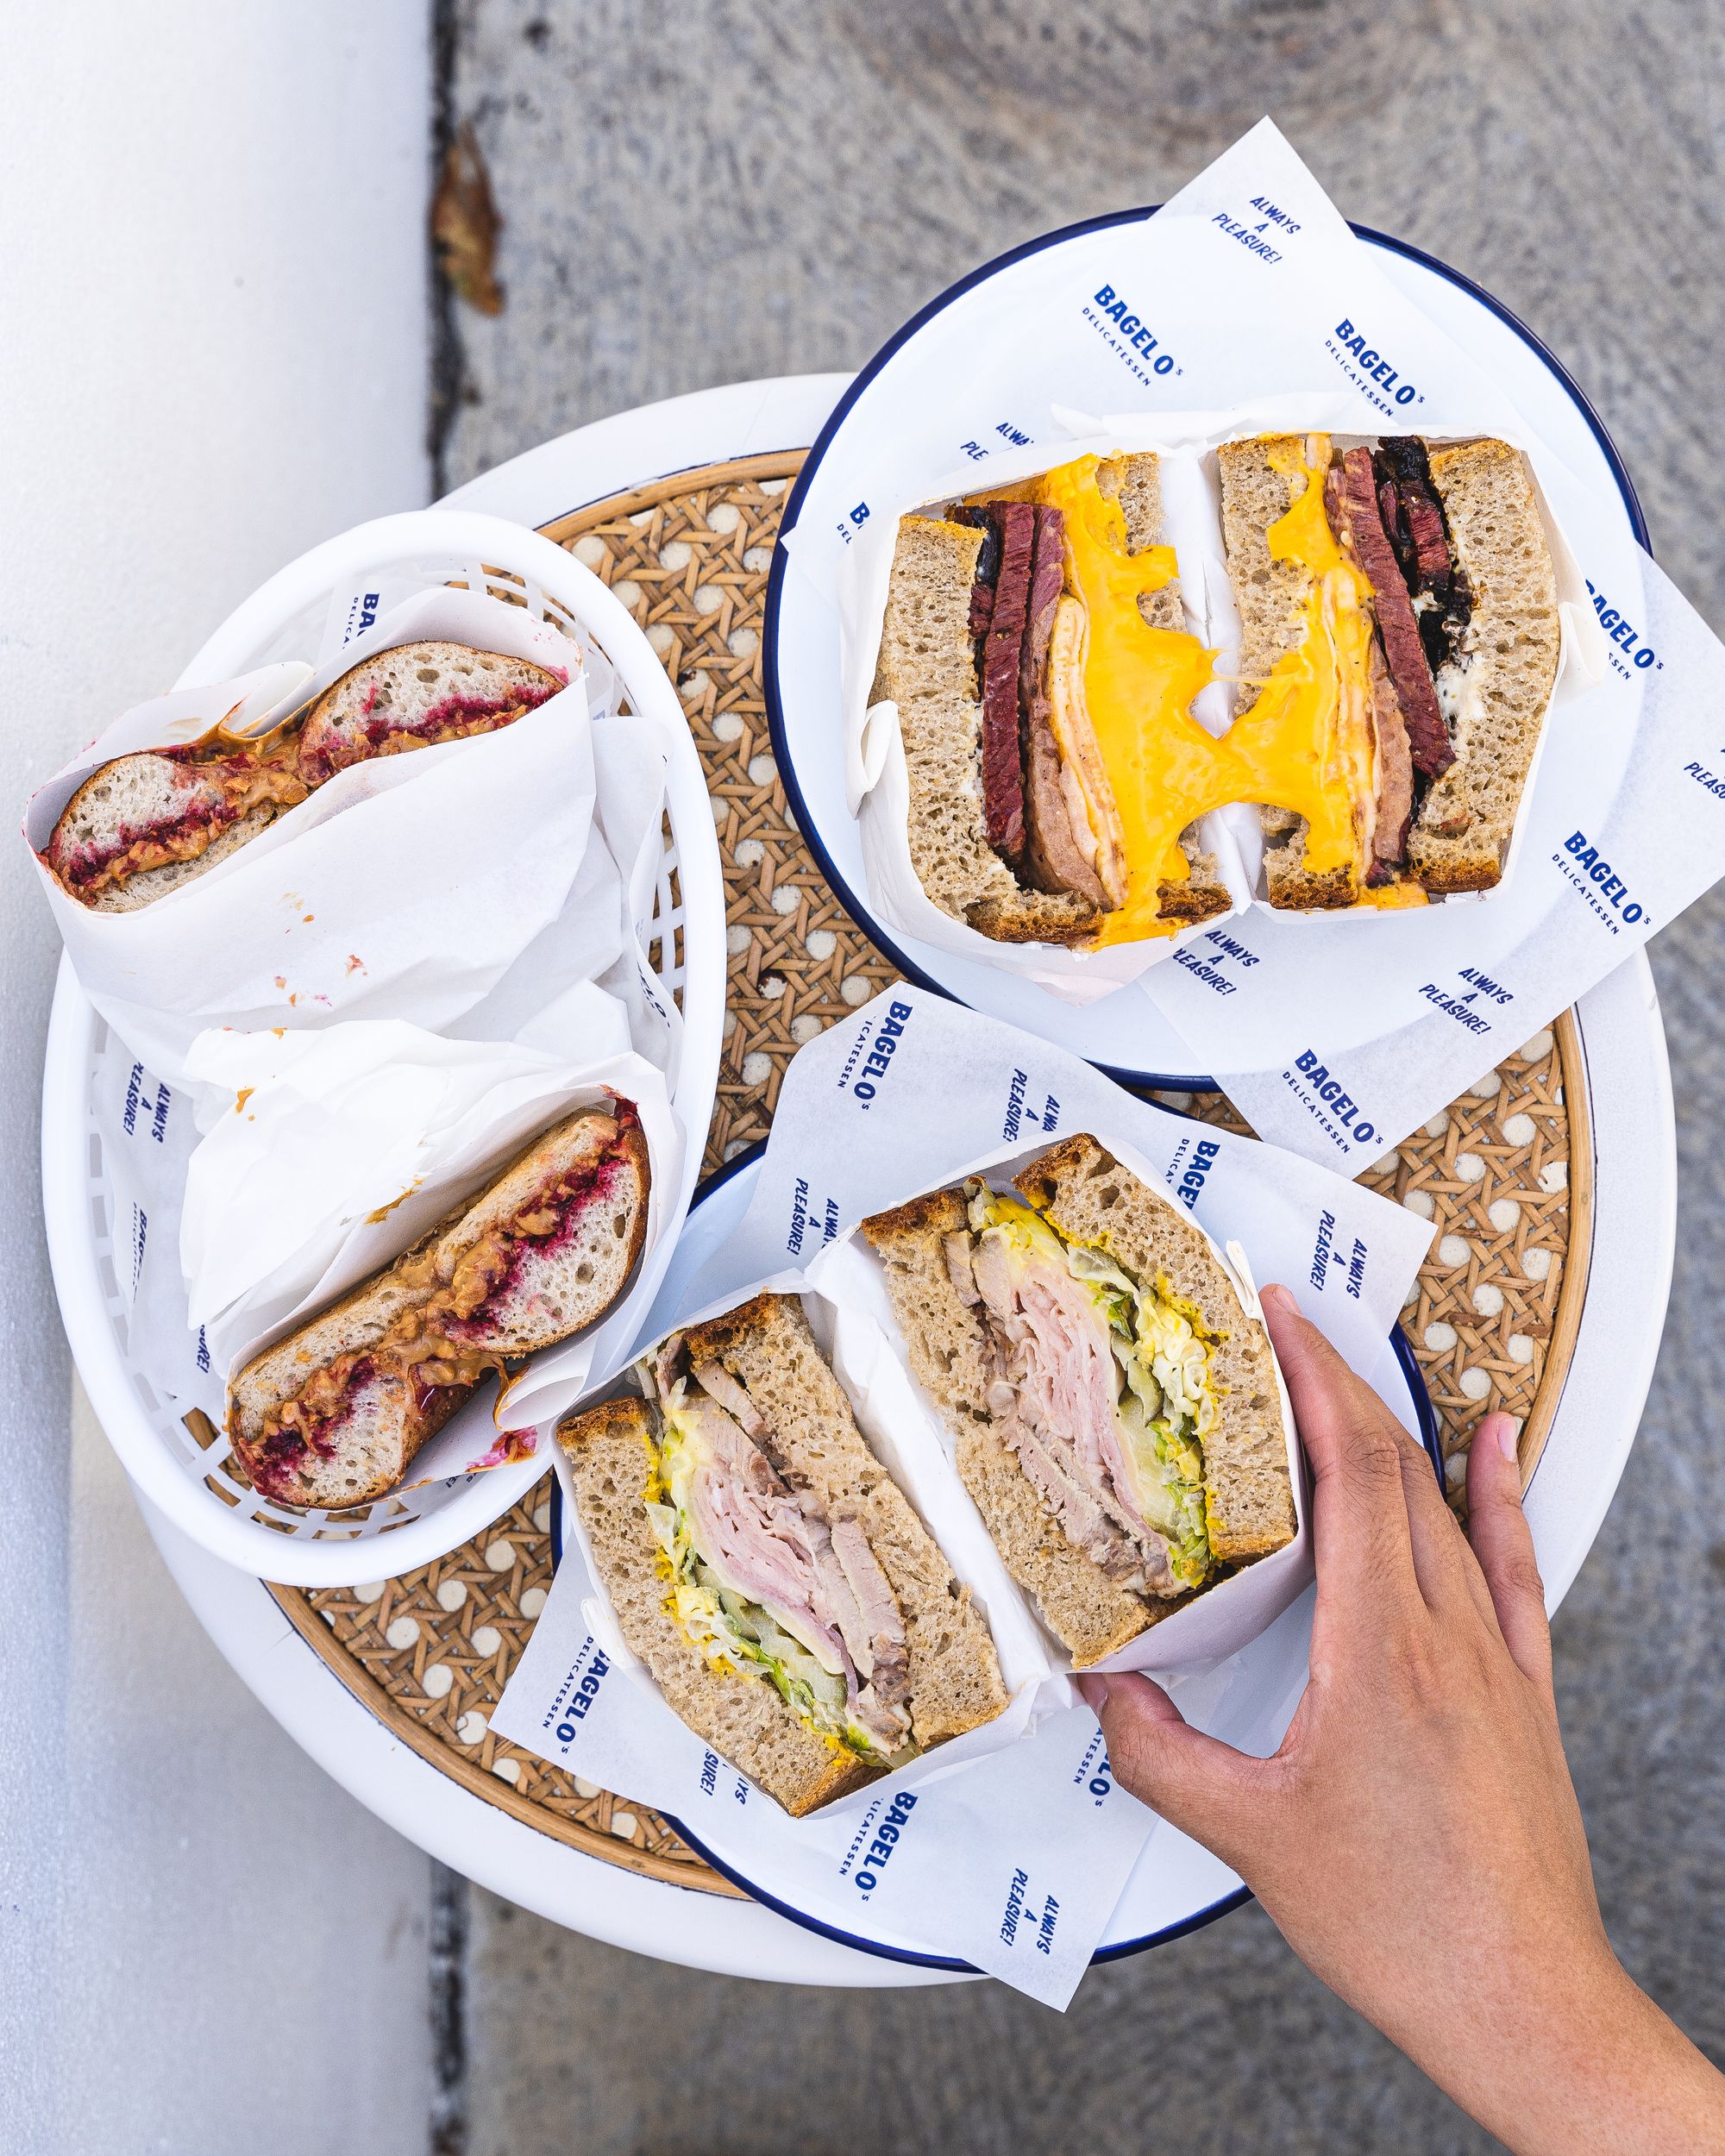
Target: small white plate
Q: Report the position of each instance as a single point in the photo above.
(1124, 1033)
(1175, 1885)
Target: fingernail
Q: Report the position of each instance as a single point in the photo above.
(1095, 1692)
(1277, 1295)
(1505, 1430)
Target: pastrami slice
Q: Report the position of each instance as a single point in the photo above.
(1362, 527)
(1003, 806)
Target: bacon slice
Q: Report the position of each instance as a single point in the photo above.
(1361, 527)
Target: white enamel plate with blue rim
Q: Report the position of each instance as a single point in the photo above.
(1175, 1885)
(1124, 1033)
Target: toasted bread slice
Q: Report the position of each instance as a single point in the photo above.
(1088, 1197)
(766, 1345)
(612, 1450)
(413, 697)
(1505, 673)
(544, 1288)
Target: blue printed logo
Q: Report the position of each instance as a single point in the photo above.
(879, 1059)
(1335, 1099)
(1622, 633)
(879, 1853)
(1369, 369)
(1598, 881)
(1193, 1180)
(1129, 334)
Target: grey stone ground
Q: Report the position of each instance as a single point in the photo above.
(703, 193)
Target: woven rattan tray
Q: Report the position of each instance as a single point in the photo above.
(1505, 1173)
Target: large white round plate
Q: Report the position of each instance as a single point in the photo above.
(1175, 1885)
(1124, 1033)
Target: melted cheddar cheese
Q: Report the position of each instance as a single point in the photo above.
(1305, 743)
(1138, 687)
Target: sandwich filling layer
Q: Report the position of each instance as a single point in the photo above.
(452, 1332)
(181, 800)
(1102, 1387)
(761, 1578)
(1357, 718)
(384, 732)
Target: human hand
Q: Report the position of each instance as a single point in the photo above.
(1416, 1838)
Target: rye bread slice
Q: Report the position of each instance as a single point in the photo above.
(1088, 1195)
(1271, 597)
(1090, 1198)
(1089, 1614)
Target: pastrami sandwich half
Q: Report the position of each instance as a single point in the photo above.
(1034, 645)
(333, 1414)
(767, 1570)
(146, 823)
(1115, 1406)
(1400, 641)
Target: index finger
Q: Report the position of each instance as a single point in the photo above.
(1360, 1530)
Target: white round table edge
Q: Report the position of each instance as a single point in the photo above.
(1634, 1222)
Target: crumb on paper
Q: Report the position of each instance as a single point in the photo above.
(281, 981)
(354, 963)
(506, 1448)
(383, 1211)
(240, 1098)
(465, 225)
(324, 1001)
(305, 918)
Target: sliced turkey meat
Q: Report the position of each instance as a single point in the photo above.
(1054, 1396)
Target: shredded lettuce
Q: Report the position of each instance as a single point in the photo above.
(1167, 1404)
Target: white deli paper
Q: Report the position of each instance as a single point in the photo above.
(403, 887)
(892, 1101)
(1012, 1867)
(577, 1007)
(1249, 286)
(324, 1155)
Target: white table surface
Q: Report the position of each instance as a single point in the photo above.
(1629, 1102)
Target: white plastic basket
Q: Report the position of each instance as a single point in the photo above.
(183, 1465)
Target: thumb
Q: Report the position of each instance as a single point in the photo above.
(1497, 1528)
(1197, 1784)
